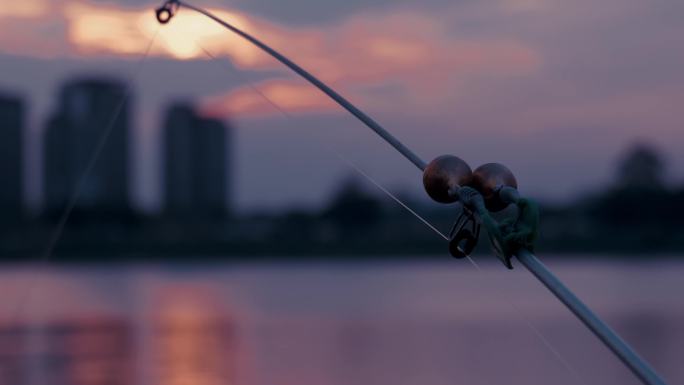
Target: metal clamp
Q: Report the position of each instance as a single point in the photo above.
(464, 234)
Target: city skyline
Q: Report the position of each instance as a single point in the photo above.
(93, 115)
(123, 128)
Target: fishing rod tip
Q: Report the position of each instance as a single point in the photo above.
(166, 11)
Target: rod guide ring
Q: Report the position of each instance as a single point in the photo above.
(167, 11)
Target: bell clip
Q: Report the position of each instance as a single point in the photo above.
(464, 234)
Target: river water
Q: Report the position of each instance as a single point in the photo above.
(406, 323)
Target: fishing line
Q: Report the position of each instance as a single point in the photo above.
(565, 363)
(92, 161)
(344, 159)
(394, 197)
(535, 331)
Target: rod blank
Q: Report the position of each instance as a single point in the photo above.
(621, 349)
(367, 120)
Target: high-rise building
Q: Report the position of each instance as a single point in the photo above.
(196, 164)
(93, 115)
(11, 130)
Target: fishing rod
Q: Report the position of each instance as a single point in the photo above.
(487, 189)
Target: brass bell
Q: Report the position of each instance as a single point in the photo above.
(444, 175)
(489, 179)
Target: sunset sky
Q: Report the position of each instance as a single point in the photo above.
(555, 89)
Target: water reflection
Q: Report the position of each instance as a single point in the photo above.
(90, 351)
(14, 354)
(333, 325)
(193, 343)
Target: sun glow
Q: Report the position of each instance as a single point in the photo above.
(185, 37)
(94, 29)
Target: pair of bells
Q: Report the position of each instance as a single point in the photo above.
(442, 179)
(446, 174)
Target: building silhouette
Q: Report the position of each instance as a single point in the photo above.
(92, 115)
(11, 130)
(196, 164)
(642, 168)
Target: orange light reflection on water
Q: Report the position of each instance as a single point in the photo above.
(193, 341)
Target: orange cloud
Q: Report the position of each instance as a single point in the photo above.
(96, 30)
(26, 28)
(24, 8)
(363, 47)
(407, 49)
(274, 95)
